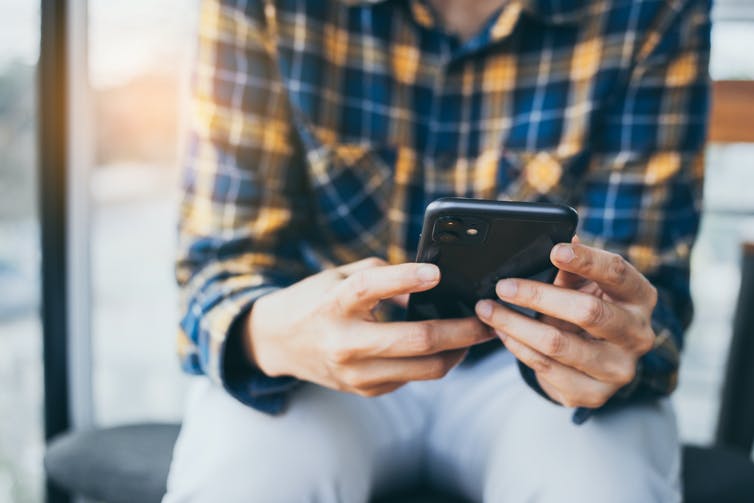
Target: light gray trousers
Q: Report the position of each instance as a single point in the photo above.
(479, 432)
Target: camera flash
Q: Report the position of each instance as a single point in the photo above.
(472, 231)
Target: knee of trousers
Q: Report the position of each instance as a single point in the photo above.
(556, 485)
(282, 479)
(628, 458)
(238, 455)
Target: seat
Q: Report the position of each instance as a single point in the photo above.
(116, 465)
(719, 474)
(130, 463)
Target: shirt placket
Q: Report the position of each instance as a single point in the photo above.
(448, 170)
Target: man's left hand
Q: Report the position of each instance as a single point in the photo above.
(595, 324)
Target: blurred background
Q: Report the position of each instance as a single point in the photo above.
(139, 53)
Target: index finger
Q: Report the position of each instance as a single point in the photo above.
(614, 274)
(363, 289)
(402, 339)
(598, 317)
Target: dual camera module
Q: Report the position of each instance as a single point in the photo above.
(459, 230)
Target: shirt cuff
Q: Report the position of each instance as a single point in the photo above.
(239, 377)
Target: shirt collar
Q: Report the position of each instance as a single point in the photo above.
(549, 11)
(561, 11)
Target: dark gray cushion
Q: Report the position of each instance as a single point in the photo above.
(117, 465)
(420, 495)
(130, 463)
(717, 474)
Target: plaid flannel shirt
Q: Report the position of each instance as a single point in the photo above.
(321, 130)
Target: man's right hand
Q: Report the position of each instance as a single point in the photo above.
(322, 329)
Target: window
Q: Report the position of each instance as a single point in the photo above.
(728, 220)
(21, 437)
(139, 54)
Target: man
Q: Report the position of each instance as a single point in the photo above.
(321, 131)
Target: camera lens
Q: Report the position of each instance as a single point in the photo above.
(447, 237)
(450, 224)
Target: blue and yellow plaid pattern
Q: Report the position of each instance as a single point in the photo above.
(321, 130)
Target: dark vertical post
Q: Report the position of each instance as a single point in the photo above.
(735, 427)
(53, 174)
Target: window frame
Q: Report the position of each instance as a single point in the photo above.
(63, 164)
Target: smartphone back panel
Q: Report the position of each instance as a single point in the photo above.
(475, 243)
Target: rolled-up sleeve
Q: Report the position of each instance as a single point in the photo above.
(243, 204)
(642, 195)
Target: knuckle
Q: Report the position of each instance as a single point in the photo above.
(641, 336)
(436, 368)
(333, 274)
(568, 401)
(556, 343)
(621, 372)
(645, 343)
(360, 384)
(653, 296)
(374, 262)
(451, 360)
(617, 268)
(352, 379)
(644, 325)
(593, 312)
(497, 320)
(369, 392)
(540, 364)
(342, 354)
(340, 385)
(334, 303)
(359, 287)
(586, 260)
(626, 374)
(421, 338)
(593, 400)
(532, 293)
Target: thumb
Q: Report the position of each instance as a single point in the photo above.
(567, 279)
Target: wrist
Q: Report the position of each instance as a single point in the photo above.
(256, 345)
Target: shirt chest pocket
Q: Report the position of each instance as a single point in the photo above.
(546, 175)
(359, 194)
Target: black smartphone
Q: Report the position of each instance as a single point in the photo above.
(477, 242)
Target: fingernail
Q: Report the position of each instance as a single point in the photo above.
(564, 253)
(428, 273)
(507, 288)
(484, 309)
